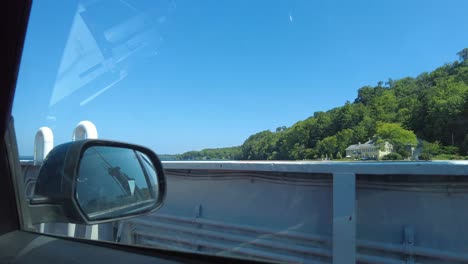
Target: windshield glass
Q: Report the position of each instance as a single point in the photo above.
(307, 82)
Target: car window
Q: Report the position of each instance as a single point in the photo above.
(290, 131)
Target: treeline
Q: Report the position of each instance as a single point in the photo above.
(432, 107)
(232, 153)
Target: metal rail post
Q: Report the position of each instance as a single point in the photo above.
(344, 220)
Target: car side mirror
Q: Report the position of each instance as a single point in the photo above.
(97, 181)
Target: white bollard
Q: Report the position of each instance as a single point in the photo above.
(43, 144)
(84, 130)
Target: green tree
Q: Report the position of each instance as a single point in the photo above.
(392, 156)
(338, 155)
(328, 145)
(465, 144)
(463, 54)
(431, 149)
(344, 138)
(365, 95)
(260, 146)
(280, 129)
(445, 104)
(399, 137)
(425, 156)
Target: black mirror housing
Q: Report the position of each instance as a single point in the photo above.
(61, 193)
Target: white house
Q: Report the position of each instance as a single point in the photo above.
(369, 150)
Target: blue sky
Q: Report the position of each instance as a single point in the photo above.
(186, 75)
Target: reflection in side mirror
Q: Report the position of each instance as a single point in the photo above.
(94, 181)
(113, 181)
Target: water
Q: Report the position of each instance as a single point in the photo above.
(26, 157)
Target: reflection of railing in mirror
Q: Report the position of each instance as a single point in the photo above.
(110, 180)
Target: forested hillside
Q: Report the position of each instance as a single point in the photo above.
(432, 107)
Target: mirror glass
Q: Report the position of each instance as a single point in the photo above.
(115, 182)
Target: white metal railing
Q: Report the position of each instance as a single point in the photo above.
(369, 212)
(459, 168)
